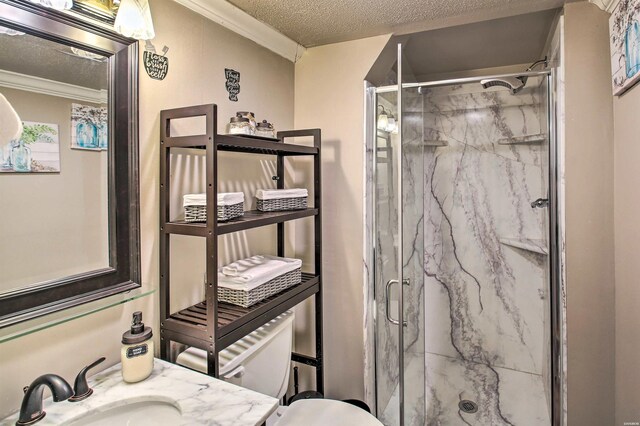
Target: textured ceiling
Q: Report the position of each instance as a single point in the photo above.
(27, 54)
(313, 22)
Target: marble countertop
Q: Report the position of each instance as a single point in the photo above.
(202, 400)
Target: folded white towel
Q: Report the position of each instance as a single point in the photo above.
(224, 199)
(247, 274)
(273, 194)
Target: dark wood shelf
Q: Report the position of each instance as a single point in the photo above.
(220, 325)
(251, 219)
(234, 322)
(239, 143)
(255, 218)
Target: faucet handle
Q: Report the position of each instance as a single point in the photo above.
(81, 389)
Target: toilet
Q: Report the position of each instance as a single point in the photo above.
(261, 362)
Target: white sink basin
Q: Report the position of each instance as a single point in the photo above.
(156, 413)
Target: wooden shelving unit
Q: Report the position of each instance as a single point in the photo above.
(212, 325)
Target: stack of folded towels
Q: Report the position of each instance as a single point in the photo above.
(247, 274)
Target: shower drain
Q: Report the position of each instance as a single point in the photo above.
(468, 406)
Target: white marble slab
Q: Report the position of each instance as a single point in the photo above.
(202, 400)
(504, 397)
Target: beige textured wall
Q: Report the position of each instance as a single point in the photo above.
(329, 94)
(199, 52)
(589, 217)
(627, 231)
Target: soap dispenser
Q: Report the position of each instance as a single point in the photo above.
(137, 351)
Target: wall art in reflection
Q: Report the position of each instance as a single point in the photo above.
(37, 150)
(624, 33)
(89, 127)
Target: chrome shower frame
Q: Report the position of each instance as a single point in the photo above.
(558, 379)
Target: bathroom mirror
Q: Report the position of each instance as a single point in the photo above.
(69, 217)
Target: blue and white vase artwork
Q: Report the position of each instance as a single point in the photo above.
(632, 49)
(103, 135)
(87, 135)
(21, 158)
(5, 156)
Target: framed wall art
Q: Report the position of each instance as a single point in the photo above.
(624, 33)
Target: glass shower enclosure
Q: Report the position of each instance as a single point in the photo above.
(464, 236)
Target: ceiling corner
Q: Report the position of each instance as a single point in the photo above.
(231, 17)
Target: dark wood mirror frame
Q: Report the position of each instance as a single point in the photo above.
(123, 274)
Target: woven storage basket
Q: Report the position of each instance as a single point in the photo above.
(280, 204)
(199, 213)
(247, 298)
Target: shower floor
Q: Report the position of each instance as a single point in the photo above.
(520, 398)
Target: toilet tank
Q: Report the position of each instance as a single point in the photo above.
(260, 361)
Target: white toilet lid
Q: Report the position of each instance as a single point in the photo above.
(323, 412)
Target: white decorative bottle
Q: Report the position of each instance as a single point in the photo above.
(137, 351)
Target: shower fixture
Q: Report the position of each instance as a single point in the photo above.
(540, 203)
(515, 84)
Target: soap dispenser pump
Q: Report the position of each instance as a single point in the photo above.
(137, 351)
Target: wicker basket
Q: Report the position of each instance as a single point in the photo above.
(280, 204)
(268, 289)
(199, 213)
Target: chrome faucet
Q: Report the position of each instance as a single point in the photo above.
(31, 410)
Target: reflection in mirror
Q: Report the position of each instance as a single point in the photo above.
(54, 143)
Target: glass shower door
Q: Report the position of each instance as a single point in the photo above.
(398, 256)
(412, 229)
(386, 271)
(463, 222)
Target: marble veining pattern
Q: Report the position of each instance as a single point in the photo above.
(202, 400)
(485, 300)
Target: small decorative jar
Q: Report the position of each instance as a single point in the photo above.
(21, 157)
(252, 119)
(265, 129)
(239, 125)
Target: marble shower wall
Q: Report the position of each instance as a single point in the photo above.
(485, 254)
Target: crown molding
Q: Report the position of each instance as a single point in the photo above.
(30, 83)
(229, 16)
(606, 5)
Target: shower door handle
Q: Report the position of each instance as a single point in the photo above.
(388, 301)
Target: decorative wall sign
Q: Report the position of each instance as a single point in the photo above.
(37, 150)
(89, 127)
(157, 66)
(624, 33)
(233, 83)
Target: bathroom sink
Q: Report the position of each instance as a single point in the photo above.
(157, 413)
(171, 395)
